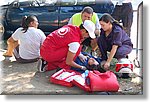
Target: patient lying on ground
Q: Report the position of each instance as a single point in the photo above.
(94, 65)
(91, 63)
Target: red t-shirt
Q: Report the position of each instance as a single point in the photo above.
(55, 47)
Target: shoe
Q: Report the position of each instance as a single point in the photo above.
(127, 57)
(7, 55)
(42, 65)
(123, 75)
(58, 69)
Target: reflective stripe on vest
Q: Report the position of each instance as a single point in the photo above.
(76, 19)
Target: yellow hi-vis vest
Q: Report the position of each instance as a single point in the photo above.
(76, 19)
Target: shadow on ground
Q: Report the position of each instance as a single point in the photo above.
(25, 79)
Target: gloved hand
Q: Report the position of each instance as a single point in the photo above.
(83, 68)
(82, 57)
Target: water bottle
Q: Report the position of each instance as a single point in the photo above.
(86, 73)
(87, 80)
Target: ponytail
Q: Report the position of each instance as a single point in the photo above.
(24, 24)
(117, 23)
(26, 21)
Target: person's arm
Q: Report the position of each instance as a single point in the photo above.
(11, 40)
(70, 21)
(43, 36)
(73, 48)
(97, 26)
(70, 61)
(82, 57)
(112, 53)
(12, 44)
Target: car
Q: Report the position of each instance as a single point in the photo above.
(51, 14)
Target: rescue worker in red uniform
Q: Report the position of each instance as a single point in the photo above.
(62, 46)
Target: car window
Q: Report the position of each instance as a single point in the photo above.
(51, 14)
(31, 3)
(75, 2)
(71, 9)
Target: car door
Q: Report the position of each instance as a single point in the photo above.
(47, 15)
(66, 13)
(48, 18)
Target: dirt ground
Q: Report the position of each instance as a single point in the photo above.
(19, 79)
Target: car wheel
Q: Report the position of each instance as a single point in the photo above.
(1, 30)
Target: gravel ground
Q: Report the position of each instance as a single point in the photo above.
(19, 78)
(24, 79)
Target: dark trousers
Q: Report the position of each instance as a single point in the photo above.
(21, 60)
(122, 51)
(124, 12)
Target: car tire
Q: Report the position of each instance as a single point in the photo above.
(2, 29)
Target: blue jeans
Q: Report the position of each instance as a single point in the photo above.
(78, 61)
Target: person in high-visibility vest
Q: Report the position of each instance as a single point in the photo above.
(87, 14)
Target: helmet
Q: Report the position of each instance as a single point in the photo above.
(125, 70)
(124, 65)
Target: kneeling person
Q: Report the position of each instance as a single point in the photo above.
(62, 46)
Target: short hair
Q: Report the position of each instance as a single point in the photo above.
(81, 27)
(88, 10)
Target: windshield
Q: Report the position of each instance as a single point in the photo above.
(66, 2)
(75, 2)
(51, 2)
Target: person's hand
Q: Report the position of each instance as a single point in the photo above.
(83, 68)
(106, 65)
(82, 57)
(102, 63)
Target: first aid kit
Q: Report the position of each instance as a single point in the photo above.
(88, 81)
